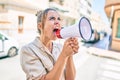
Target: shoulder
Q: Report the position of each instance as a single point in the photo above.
(26, 47)
(27, 50)
(31, 45)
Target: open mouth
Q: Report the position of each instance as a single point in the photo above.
(55, 30)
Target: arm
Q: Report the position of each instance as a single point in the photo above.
(70, 69)
(59, 67)
(35, 70)
(31, 64)
(70, 48)
(57, 71)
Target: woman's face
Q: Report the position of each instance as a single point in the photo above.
(52, 22)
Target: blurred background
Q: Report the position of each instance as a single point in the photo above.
(99, 58)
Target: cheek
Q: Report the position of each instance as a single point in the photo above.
(49, 26)
(48, 30)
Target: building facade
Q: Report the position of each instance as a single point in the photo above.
(17, 17)
(112, 9)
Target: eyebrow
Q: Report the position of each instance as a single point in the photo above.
(52, 17)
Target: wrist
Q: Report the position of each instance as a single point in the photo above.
(64, 56)
(70, 57)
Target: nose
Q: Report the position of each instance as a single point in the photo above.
(57, 22)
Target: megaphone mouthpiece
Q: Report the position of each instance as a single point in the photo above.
(57, 32)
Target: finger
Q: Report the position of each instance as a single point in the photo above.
(69, 39)
(75, 51)
(75, 48)
(74, 41)
(71, 50)
(73, 45)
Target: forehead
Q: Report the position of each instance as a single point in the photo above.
(52, 13)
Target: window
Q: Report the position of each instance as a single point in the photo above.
(1, 36)
(61, 2)
(118, 29)
(20, 23)
(50, 0)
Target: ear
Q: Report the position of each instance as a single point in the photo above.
(39, 26)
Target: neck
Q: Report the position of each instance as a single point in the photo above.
(47, 42)
(44, 40)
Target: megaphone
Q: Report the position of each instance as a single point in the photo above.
(82, 30)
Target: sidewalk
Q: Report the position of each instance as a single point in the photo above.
(104, 53)
(100, 64)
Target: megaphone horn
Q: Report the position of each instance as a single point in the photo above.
(81, 30)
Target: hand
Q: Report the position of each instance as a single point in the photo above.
(70, 47)
(74, 44)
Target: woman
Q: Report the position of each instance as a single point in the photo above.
(44, 59)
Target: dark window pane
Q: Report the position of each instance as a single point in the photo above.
(118, 29)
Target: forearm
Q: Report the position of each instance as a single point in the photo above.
(70, 69)
(58, 69)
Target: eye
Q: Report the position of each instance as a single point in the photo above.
(52, 18)
(59, 18)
